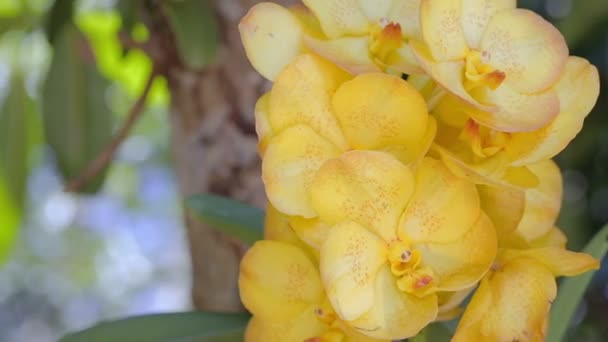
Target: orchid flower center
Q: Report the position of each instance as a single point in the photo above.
(479, 73)
(485, 142)
(406, 266)
(385, 38)
(326, 314)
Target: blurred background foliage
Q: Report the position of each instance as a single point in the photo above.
(72, 260)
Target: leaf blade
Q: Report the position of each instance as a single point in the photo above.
(196, 30)
(59, 15)
(231, 217)
(571, 290)
(77, 119)
(170, 327)
(9, 223)
(17, 118)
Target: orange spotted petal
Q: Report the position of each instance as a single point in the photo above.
(378, 110)
(350, 259)
(578, 91)
(440, 21)
(302, 94)
(370, 188)
(515, 112)
(278, 281)
(339, 17)
(526, 47)
(476, 14)
(511, 304)
(461, 263)
(290, 163)
(443, 207)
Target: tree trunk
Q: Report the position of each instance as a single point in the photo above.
(215, 150)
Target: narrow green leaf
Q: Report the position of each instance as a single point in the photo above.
(77, 120)
(571, 290)
(21, 22)
(59, 15)
(171, 327)
(421, 337)
(438, 332)
(9, 222)
(17, 126)
(17, 118)
(435, 332)
(128, 13)
(231, 217)
(196, 30)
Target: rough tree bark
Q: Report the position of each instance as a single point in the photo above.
(215, 150)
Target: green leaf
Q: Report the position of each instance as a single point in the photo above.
(59, 15)
(77, 120)
(9, 222)
(172, 327)
(571, 290)
(584, 18)
(231, 217)
(18, 125)
(21, 22)
(10, 8)
(436, 332)
(17, 121)
(128, 13)
(196, 30)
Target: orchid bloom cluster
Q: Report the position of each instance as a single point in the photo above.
(406, 149)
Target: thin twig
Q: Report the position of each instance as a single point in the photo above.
(105, 157)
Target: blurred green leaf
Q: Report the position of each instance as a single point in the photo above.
(10, 8)
(585, 17)
(231, 217)
(196, 30)
(172, 327)
(20, 15)
(77, 120)
(9, 222)
(435, 332)
(17, 120)
(22, 21)
(59, 15)
(128, 13)
(571, 290)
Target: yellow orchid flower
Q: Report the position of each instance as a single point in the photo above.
(553, 238)
(513, 300)
(315, 112)
(396, 239)
(578, 90)
(280, 285)
(500, 61)
(494, 157)
(525, 215)
(277, 228)
(358, 35)
(449, 303)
